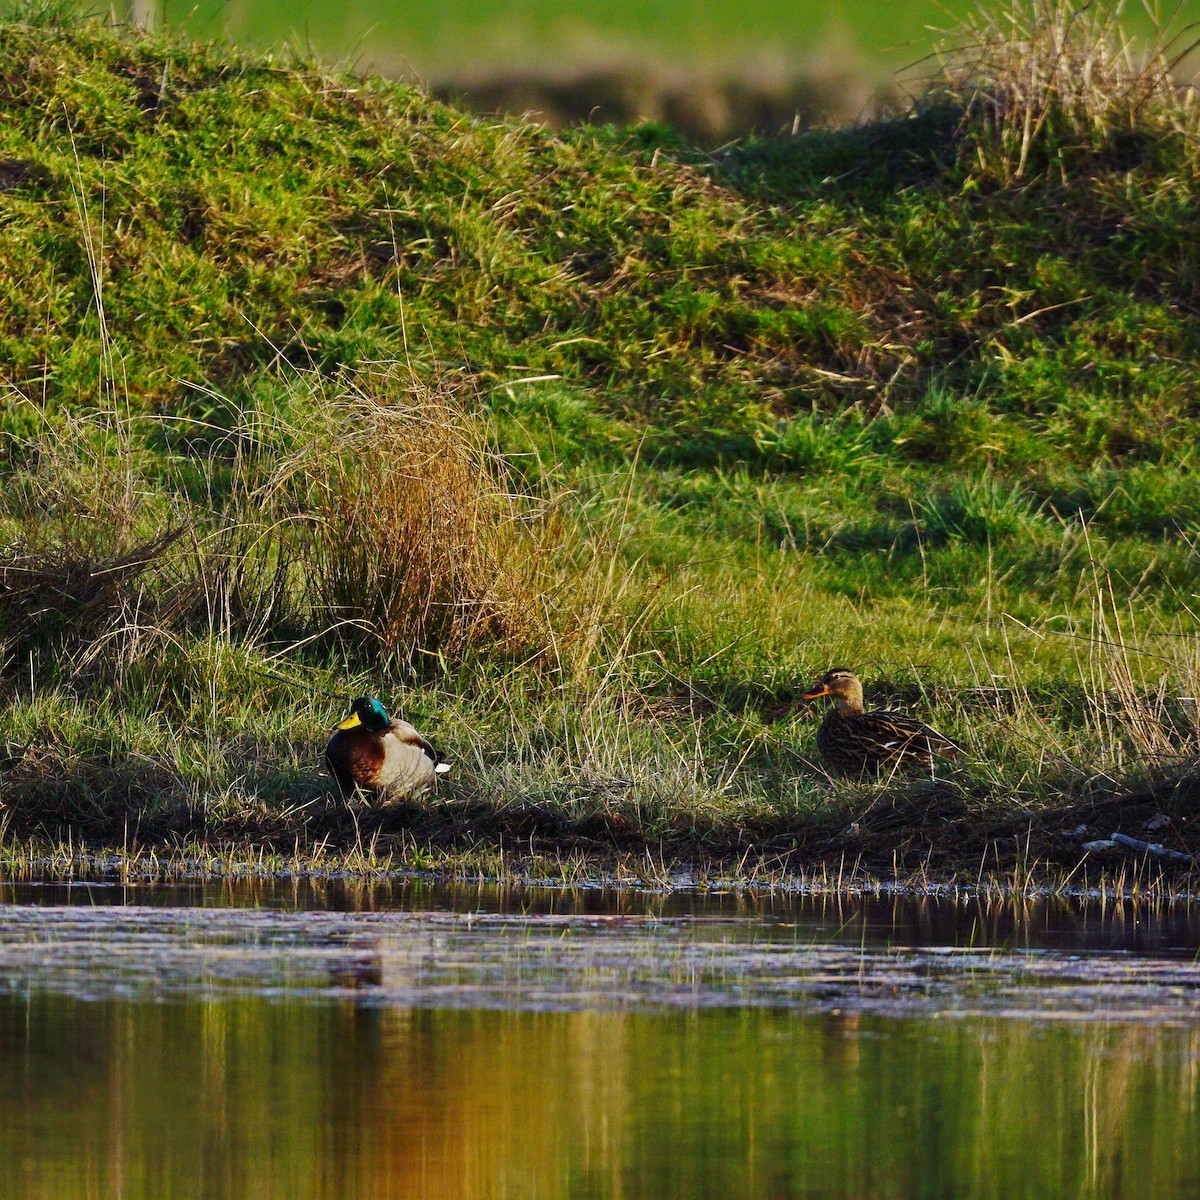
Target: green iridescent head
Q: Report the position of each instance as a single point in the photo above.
(368, 712)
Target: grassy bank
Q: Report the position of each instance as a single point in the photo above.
(588, 452)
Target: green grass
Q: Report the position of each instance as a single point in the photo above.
(589, 452)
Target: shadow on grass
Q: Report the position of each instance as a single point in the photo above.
(877, 159)
(951, 829)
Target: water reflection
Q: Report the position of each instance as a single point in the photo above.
(412, 1041)
(258, 1098)
(1054, 923)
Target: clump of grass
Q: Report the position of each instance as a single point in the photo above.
(962, 431)
(62, 599)
(371, 511)
(978, 510)
(403, 534)
(90, 557)
(1046, 83)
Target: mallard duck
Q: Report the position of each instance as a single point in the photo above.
(377, 753)
(852, 741)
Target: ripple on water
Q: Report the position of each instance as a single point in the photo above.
(567, 963)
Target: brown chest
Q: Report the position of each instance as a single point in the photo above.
(356, 757)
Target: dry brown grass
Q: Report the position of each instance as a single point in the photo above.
(402, 532)
(89, 562)
(83, 603)
(1043, 79)
(379, 518)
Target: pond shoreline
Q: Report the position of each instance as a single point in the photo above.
(1154, 890)
(936, 835)
(1111, 874)
(927, 836)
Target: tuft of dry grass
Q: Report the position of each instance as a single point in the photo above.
(377, 518)
(1042, 80)
(90, 559)
(403, 534)
(79, 601)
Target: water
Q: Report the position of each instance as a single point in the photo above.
(323, 1040)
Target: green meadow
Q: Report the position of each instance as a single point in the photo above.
(588, 452)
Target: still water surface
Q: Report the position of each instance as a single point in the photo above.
(416, 1041)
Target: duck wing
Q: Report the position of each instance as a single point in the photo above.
(410, 763)
(870, 741)
(408, 734)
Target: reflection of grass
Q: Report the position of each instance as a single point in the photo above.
(672, 435)
(625, 1093)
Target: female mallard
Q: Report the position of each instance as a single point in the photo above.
(370, 750)
(853, 742)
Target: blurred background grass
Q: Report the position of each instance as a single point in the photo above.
(716, 70)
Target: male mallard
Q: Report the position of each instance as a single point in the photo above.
(852, 741)
(370, 750)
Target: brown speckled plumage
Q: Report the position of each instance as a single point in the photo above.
(855, 742)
